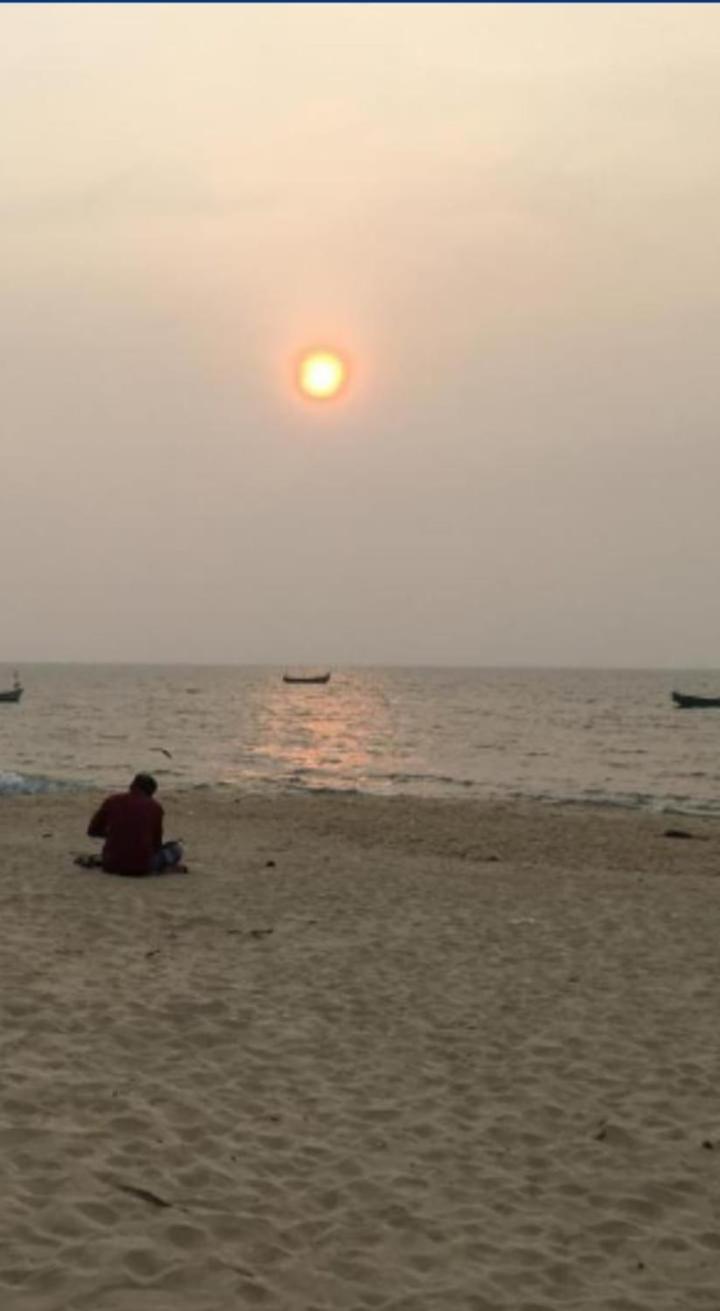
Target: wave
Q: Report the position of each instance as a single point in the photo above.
(12, 784)
(446, 779)
(657, 805)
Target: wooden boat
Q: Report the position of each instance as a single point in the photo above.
(14, 693)
(684, 702)
(313, 678)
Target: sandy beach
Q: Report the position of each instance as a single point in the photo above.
(397, 1055)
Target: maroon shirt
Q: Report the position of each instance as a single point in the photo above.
(132, 825)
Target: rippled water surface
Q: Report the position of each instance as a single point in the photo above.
(609, 736)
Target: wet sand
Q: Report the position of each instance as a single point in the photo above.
(435, 1056)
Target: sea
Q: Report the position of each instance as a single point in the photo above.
(606, 737)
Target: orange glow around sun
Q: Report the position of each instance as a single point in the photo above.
(321, 374)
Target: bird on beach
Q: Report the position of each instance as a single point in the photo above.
(164, 751)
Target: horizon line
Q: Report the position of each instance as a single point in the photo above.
(335, 668)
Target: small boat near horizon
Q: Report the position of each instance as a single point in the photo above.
(306, 678)
(12, 695)
(685, 702)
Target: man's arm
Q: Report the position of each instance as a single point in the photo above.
(97, 828)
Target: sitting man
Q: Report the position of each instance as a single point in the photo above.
(132, 825)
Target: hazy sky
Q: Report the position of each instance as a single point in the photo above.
(507, 215)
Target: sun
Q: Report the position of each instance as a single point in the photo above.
(321, 374)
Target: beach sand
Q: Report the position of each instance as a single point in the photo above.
(436, 1056)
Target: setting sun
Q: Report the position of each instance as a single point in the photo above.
(322, 374)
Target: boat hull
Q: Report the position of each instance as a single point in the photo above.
(320, 678)
(11, 697)
(684, 702)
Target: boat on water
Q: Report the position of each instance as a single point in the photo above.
(13, 694)
(685, 702)
(306, 678)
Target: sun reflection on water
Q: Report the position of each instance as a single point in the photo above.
(322, 735)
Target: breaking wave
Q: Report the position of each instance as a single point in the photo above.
(12, 784)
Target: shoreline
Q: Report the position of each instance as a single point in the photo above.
(371, 1053)
(281, 789)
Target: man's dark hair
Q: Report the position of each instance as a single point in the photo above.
(144, 783)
